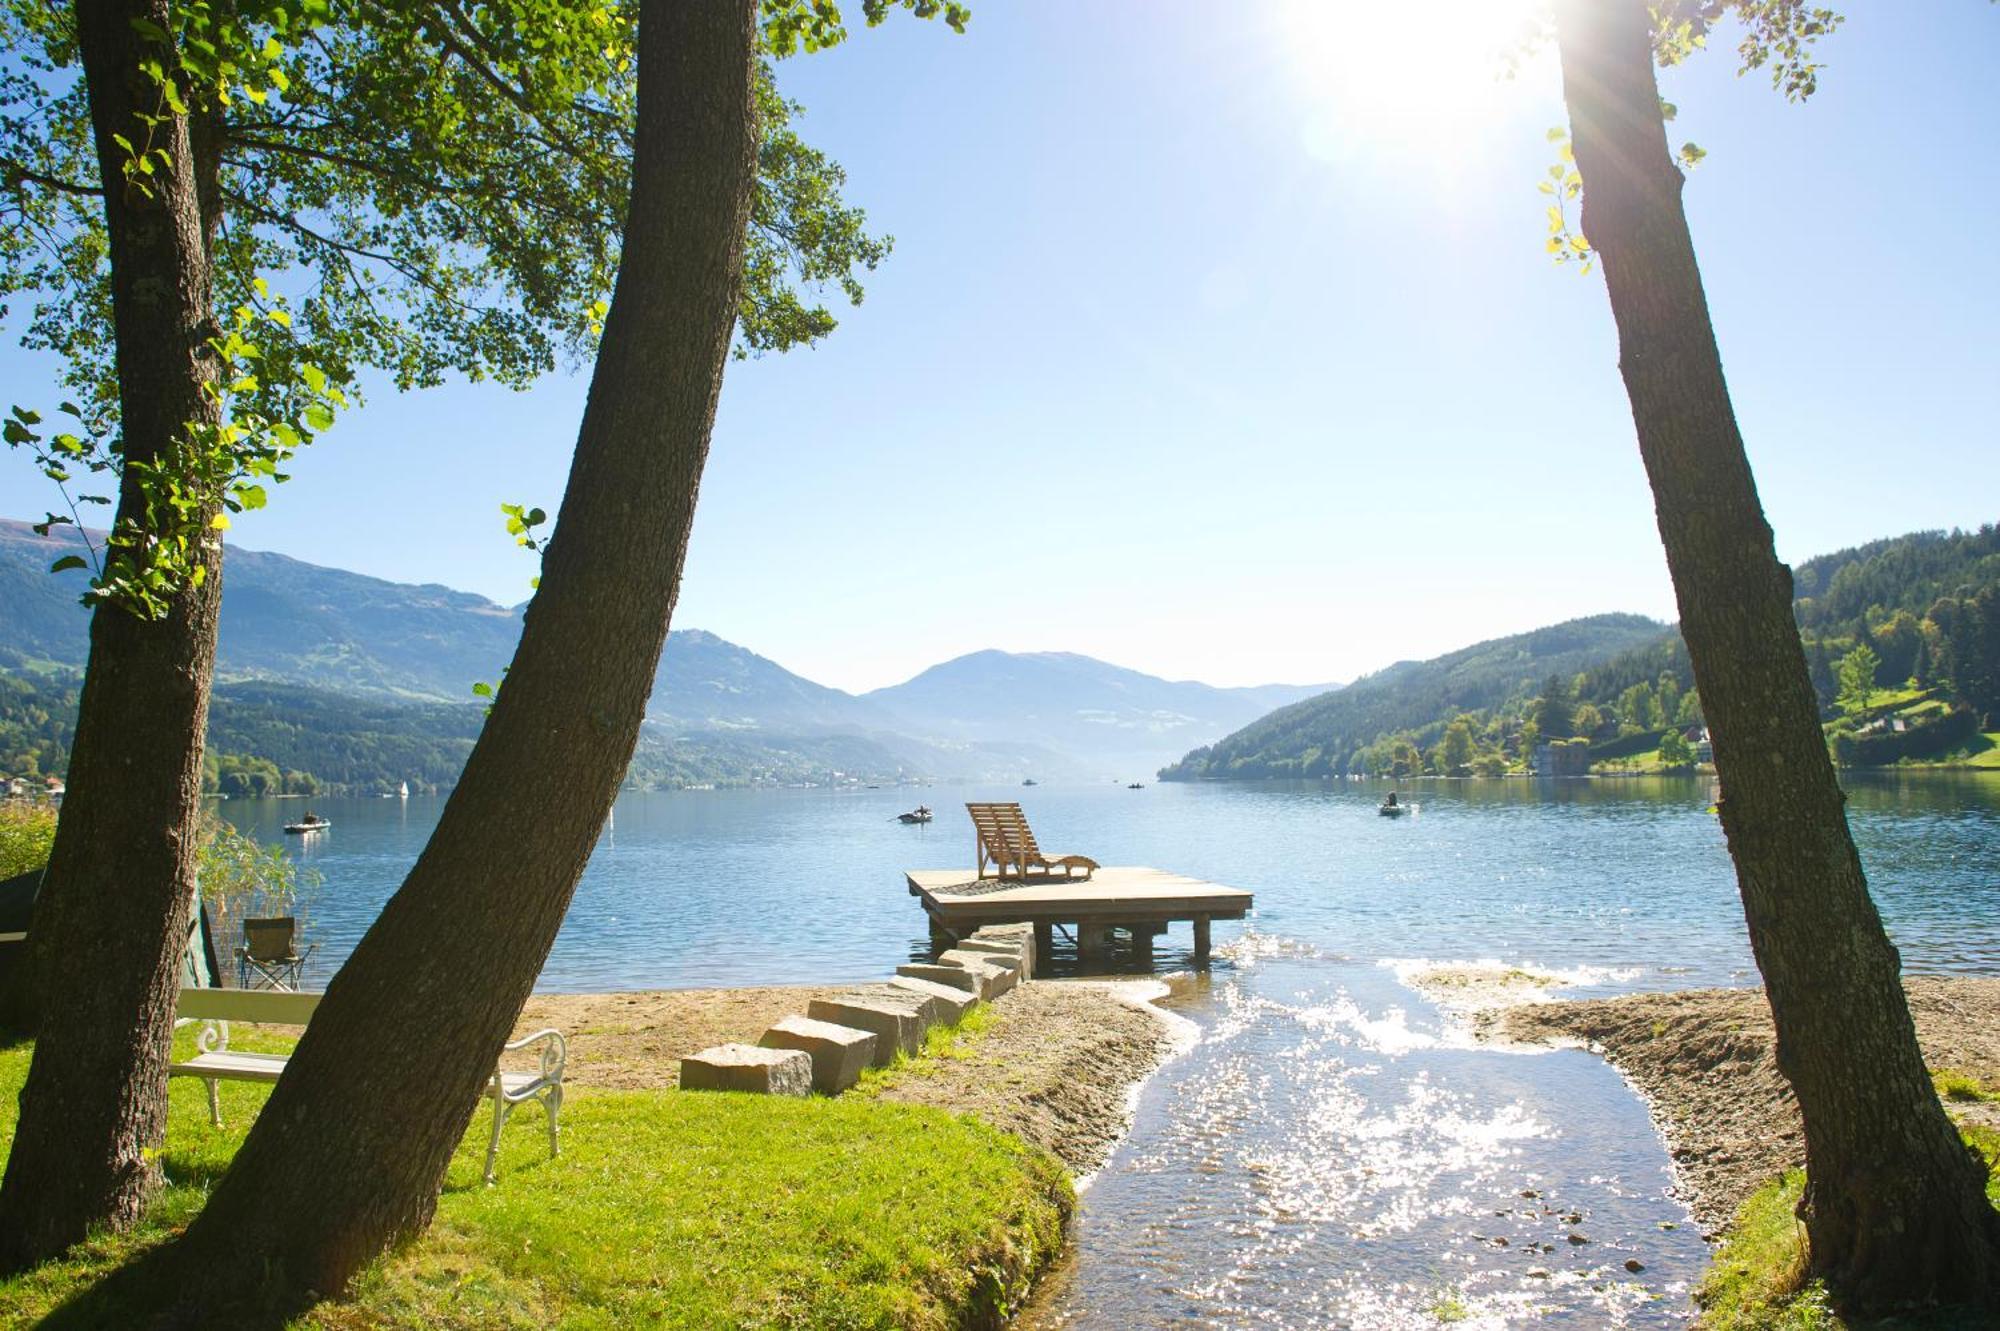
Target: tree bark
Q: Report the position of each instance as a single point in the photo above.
(1895, 1207)
(112, 918)
(348, 1154)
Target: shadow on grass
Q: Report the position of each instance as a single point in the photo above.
(163, 1289)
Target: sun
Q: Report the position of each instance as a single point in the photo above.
(1403, 77)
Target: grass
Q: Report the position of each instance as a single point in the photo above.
(1960, 1086)
(1757, 1280)
(664, 1210)
(1985, 751)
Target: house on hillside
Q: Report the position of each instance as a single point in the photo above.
(55, 788)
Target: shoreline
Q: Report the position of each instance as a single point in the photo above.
(1061, 1066)
(1704, 1060)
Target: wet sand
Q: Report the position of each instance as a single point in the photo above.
(1704, 1059)
(1056, 1068)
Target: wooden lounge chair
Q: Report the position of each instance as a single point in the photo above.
(1005, 841)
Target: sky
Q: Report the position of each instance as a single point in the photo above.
(1219, 341)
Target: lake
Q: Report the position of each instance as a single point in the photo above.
(1331, 1150)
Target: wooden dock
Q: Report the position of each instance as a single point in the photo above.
(1129, 897)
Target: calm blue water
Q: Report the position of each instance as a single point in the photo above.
(699, 888)
(1332, 1150)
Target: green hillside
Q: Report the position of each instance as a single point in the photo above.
(1926, 607)
(291, 739)
(1327, 735)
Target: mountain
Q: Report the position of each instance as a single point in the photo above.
(1320, 735)
(1926, 605)
(720, 712)
(1125, 721)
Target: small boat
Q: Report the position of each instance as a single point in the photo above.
(920, 814)
(1031, 782)
(1135, 785)
(1388, 810)
(312, 822)
(403, 791)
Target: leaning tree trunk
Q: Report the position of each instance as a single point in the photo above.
(1895, 1207)
(112, 917)
(347, 1155)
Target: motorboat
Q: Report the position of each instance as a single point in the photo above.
(312, 822)
(920, 814)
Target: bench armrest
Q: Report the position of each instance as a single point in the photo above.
(555, 1052)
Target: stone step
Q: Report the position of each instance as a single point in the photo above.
(838, 1053)
(956, 977)
(747, 1067)
(948, 1005)
(896, 1023)
(996, 977)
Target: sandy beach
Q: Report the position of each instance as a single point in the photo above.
(1055, 1069)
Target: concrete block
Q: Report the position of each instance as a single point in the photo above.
(838, 1053)
(1026, 935)
(997, 947)
(956, 977)
(895, 1024)
(996, 977)
(746, 1067)
(947, 1004)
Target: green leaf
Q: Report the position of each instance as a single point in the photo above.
(318, 418)
(68, 562)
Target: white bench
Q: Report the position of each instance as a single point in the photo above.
(216, 1062)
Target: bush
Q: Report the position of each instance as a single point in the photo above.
(27, 832)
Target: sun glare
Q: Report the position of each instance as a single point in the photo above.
(1402, 77)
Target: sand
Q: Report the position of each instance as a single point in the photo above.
(1704, 1059)
(1056, 1068)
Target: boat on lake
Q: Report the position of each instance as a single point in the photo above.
(1391, 807)
(1030, 781)
(312, 822)
(1135, 785)
(920, 814)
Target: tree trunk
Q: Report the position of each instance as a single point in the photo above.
(1895, 1206)
(348, 1153)
(112, 917)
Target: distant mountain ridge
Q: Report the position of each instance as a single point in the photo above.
(1074, 703)
(286, 622)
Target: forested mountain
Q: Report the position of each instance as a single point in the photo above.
(1926, 607)
(1076, 704)
(1321, 736)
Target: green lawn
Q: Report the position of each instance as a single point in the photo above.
(1755, 1282)
(1985, 752)
(669, 1210)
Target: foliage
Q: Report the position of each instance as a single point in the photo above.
(1675, 751)
(237, 871)
(27, 832)
(436, 189)
(1857, 678)
(664, 1209)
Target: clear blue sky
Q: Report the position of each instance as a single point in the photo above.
(1215, 346)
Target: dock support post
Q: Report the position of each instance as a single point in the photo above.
(941, 938)
(1142, 944)
(1091, 941)
(1045, 945)
(1201, 940)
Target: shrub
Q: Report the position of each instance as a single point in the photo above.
(27, 831)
